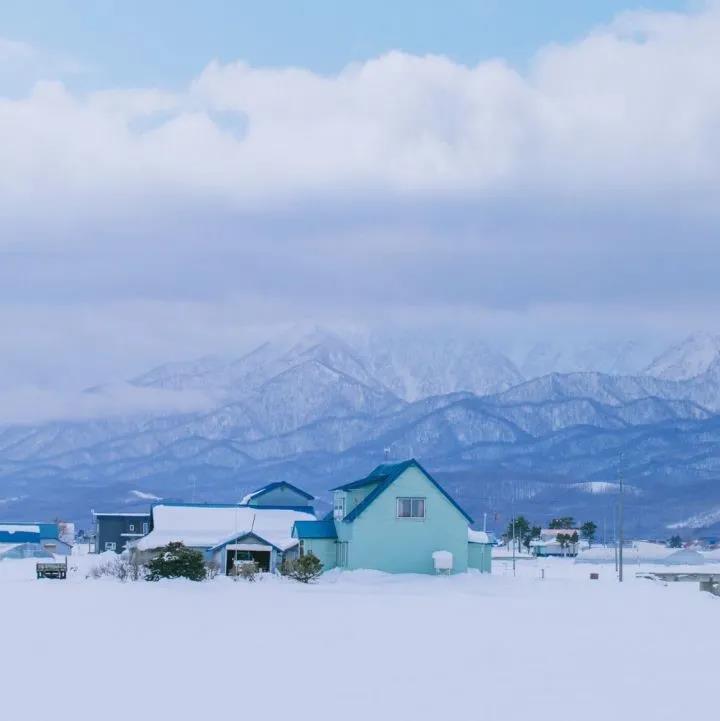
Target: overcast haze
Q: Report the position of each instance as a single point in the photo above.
(563, 188)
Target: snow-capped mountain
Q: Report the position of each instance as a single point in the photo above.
(413, 369)
(686, 359)
(612, 357)
(313, 408)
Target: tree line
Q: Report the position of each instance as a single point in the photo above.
(524, 532)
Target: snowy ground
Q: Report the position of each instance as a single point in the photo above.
(359, 645)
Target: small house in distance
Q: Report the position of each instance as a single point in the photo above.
(115, 531)
(394, 520)
(549, 545)
(31, 540)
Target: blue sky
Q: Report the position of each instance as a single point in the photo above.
(166, 42)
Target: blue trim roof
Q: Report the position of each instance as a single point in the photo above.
(314, 529)
(272, 507)
(237, 536)
(45, 531)
(20, 537)
(280, 484)
(387, 473)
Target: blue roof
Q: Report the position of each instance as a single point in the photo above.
(280, 484)
(314, 529)
(378, 475)
(45, 531)
(20, 537)
(386, 474)
(243, 534)
(274, 507)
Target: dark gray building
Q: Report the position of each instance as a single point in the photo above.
(113, 531)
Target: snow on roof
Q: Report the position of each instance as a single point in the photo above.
(18, 528)
(478, 536)
(685, 556)
(123, 515)
(208, 526)
(638, 552)
(558, 531)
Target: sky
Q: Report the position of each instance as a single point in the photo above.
(178, 179)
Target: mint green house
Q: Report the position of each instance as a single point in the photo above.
(394, 520)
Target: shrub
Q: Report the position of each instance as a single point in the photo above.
(247, 570)
(212, 568)
(304, 569)
(124, 569)
(176, 560)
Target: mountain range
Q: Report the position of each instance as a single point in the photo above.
(314, 408)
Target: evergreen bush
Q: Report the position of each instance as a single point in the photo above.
(304, 569)
(176, 560)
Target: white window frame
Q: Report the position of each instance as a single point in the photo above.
(413, 500)
(339, 506)
(131, 527)
(146, 528)
(110, 545)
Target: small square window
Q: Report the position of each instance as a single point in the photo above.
(109, 545)
(131, 527)
(411, 508)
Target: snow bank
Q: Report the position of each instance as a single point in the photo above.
(187, 648)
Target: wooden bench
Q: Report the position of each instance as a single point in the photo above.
(51, 570)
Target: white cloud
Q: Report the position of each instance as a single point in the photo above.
(30, 405)
(152, 224)
(632, 108)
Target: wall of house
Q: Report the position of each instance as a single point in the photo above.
(555, 549)
(480, 556)
(324, 549)
(380, 540)
(56, 547)
(356, 496)
(119, 530)
(279, 497)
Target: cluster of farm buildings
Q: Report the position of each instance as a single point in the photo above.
(397, 519)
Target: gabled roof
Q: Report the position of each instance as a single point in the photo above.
(233, 538)
(272, 487)
(314, 529)
(385, 474)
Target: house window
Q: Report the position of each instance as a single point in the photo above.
(109, 545)
(131, 527)
(339, 507)
(342, 554)
(301, 545)
(145, 529)
(411, 508)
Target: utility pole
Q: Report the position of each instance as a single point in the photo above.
(614, 536)
(513, 530)
(621, 518)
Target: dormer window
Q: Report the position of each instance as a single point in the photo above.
(411, 508)
(339, 507)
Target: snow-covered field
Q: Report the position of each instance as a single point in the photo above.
(359, 645)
